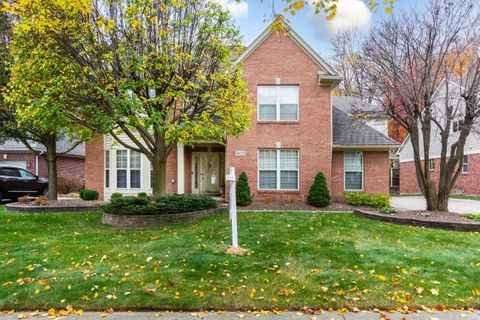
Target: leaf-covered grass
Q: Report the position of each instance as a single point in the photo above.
(296, 260)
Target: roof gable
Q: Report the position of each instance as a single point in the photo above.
(327, 73)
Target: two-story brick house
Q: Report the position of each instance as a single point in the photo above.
(295, 133)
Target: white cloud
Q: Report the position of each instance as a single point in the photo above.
(350, 13)
(238, 9)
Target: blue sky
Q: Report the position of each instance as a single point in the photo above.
(253, 16)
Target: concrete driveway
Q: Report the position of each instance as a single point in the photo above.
(418, 203)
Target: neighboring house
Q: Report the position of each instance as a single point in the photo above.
(295, 133)
(468, 180)
(13, 153)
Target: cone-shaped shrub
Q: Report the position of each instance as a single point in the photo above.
(244, 197)
(318, 195)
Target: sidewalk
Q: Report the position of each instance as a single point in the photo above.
(465, 315)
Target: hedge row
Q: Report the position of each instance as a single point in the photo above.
(169, 204)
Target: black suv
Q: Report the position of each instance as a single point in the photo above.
(17, 182)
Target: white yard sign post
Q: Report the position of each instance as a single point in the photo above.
(231, 178)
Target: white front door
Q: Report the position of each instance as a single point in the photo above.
(206, 173)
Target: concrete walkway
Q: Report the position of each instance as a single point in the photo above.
(466, 315)
(418, 203)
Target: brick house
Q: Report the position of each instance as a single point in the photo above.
(295, 133)
(13, 153)
(467, 182)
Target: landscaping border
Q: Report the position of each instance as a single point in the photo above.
(157, 220)
(70, 207)
(457, 226)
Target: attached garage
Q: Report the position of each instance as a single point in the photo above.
(14, 163)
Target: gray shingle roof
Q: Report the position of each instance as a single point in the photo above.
(354, 105)
(351, 131)
(62, 146)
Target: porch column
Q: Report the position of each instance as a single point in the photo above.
(180, 168)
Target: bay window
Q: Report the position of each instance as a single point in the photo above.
(129, 165)
(278, 169)
(278, 103)
(353, 170)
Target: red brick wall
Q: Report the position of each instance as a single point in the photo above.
(94, 165)
(376, 173)
(469, 182)
(70, 165)
(65, 165)
(337, 177)
(280, 57)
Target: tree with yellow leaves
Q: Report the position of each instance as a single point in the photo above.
(157, 71)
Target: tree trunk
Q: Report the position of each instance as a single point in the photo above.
(430, 194)
(51, 158)
(159, 167)
(443, 196)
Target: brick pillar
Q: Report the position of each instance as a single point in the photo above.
(94, 165)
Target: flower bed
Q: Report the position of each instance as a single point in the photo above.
(439, 220)
(55, 206)
(144, 211)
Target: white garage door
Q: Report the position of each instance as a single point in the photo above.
(14, 163)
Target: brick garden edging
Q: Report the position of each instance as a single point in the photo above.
(458, 226)
(81, 206)
(158, 220)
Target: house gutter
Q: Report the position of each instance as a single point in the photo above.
(378, 147)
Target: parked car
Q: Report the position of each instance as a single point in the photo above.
(17, 182)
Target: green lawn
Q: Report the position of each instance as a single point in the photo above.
(297, 259)
(465, 197)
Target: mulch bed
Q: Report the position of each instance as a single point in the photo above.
(298, 206)
(434, 216)
(439, 220)
(55, 206)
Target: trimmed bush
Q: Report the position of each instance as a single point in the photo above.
(376, 200)
(319, 196)
(244, 197)
(142, 195)
(88, 194)
(116, 195)
(169, 204)
(387, 210)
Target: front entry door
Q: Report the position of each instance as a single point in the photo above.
(207, 173)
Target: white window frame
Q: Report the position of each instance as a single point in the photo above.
(431, 164)
(465, 163)
(108, 169)
(278, 170)
(277, 108)
(150, 172)
(117, 168)
(345, 171)
(128, 169)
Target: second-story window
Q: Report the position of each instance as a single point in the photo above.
(278, 103)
